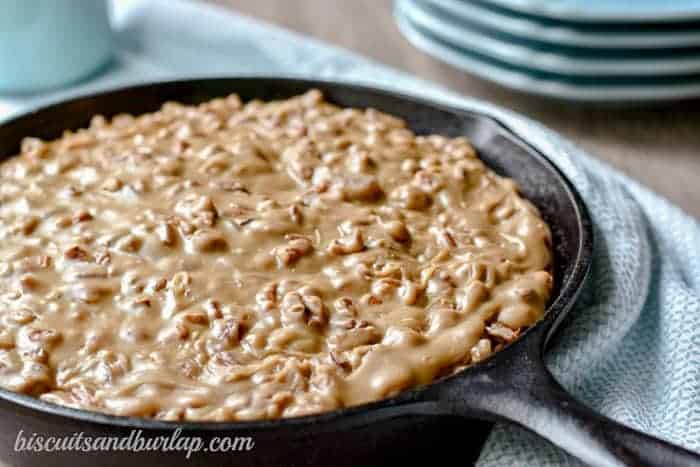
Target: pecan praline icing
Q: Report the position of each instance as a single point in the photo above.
(231, 261)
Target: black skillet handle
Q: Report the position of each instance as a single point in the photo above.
(519, 389)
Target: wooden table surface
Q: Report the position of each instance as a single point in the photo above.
(657, 146)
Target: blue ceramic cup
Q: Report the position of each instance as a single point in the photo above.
(48, 43)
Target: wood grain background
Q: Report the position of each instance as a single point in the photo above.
(658, 146)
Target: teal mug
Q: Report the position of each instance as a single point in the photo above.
(48, 43)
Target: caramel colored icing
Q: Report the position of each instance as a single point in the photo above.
(228, 261)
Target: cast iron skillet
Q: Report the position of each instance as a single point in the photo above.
(513, 385)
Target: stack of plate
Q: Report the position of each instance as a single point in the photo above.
(588, 50)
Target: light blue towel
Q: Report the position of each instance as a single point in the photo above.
(632, 347)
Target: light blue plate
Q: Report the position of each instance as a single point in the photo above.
(627, 90)
(622, 11)
(571, 34)
(546, 57)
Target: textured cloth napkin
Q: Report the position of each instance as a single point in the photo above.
(631, 348)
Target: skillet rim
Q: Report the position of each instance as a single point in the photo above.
(542, 330)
